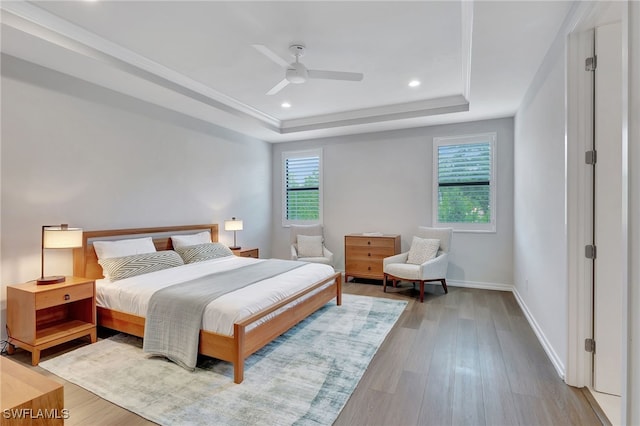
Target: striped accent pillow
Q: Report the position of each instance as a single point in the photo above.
(201, 252)
(117, 268)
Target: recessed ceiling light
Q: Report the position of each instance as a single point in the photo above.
(414, 83)
(285, 105)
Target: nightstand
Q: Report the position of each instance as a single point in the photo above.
(42, 316)
(247, 252)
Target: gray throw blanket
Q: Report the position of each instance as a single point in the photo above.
(174, 317)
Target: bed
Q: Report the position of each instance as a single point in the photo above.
(249, 334)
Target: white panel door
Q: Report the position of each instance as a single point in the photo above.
(608, 211)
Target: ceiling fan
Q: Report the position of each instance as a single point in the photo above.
(297, 73)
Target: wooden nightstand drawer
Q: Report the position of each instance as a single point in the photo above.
(60, 296)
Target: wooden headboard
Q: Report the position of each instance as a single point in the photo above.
(85, 260)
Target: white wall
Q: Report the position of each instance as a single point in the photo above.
(76, 153)
(540, 240)
(383, 182)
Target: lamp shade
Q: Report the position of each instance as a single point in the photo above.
(61, 237)
(57, 237)
(233, 225)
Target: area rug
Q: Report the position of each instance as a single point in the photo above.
(304, 377)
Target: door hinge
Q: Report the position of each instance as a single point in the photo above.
(591, 63)
(590, 345)
(591, 157)
(590, 251)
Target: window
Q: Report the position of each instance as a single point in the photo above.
(302, 187)
(464, 193)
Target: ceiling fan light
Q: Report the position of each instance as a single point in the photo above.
(414, 83)
(285, 105)
(295, 76)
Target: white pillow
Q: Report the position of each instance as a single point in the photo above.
(422, 250)
(310, 246)
(180, 241)
(120, 248)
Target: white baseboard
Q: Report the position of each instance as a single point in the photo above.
(481, 285)
(553, 356)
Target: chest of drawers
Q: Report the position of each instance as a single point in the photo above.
(363, 254)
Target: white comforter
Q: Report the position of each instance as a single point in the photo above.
(132, 295)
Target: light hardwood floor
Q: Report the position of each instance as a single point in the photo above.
(468, 357)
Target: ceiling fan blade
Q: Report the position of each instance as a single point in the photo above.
(271, 55)
(336, 75)
(278, 87)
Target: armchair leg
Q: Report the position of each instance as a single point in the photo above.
(384, 284)
(421, 291)
(444, 285)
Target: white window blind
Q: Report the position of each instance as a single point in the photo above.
(302, 187)
(464, 176)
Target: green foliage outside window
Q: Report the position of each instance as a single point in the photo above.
(464, 183)
(303, 189)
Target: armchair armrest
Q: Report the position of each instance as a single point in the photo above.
(398, 258)
(326, 253)
(435, 268)
(294, 253)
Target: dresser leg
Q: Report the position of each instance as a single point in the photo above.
(35, 356)
(93, 336)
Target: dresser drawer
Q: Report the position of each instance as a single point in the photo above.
(362, 252)
(363, 268)
(60, 296)
(358, 241)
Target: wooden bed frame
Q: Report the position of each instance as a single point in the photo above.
(234, 349)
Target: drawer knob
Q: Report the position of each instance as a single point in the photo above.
(369, 242)
(369, 254)
(369, 268)
(67, 297)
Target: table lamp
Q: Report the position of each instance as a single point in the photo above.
(233, 225)
(56, 237)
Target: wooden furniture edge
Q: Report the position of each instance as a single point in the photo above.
(234, 349)
(25, 389)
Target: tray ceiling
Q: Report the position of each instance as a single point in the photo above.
(474, 60)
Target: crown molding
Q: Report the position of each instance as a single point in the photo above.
(36, 22)
(42, 24)
(444, 105)
(466, 37)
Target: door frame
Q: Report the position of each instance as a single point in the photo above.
(579, 134)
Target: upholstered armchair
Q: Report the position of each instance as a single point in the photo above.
(426, 261)
(307, 244)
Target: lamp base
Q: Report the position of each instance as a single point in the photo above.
(235, 248)
(50, 280)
